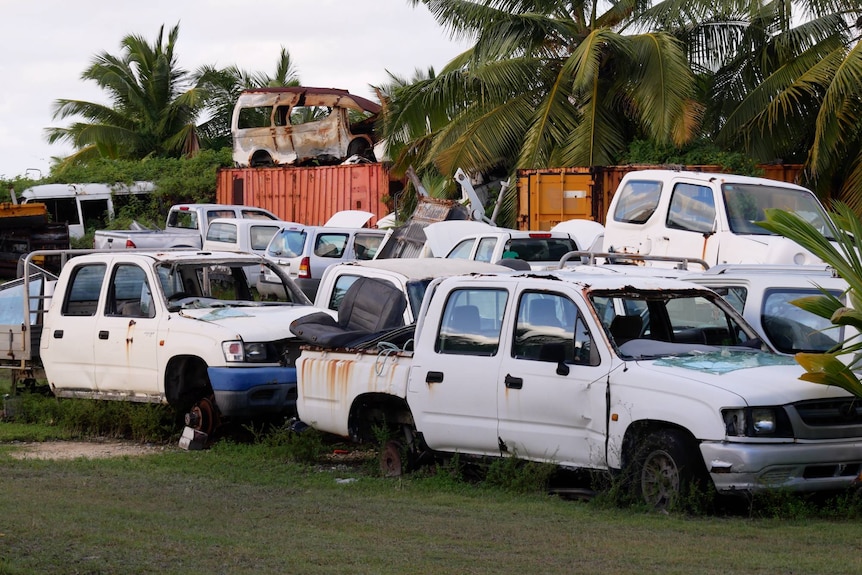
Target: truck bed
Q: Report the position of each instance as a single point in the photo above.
(330, 381)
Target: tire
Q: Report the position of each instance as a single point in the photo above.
(666, 467)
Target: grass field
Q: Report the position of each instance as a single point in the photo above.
(246, 509)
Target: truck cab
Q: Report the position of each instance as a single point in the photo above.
(708, 216)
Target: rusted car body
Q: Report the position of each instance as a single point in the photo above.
(301, 126)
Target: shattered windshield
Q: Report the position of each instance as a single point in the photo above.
(188, 285)
(650, 324)
(746, 204)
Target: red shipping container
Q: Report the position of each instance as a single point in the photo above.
(310, 195)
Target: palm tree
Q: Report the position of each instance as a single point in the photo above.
(152, 111)
(221, 88)
(547, 83)
(783, 81)
(844, 257)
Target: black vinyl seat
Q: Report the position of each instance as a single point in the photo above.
(370, 307)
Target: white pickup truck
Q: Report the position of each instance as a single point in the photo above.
(708, 216)
(175, 327)
(185, 227)
(651, 376)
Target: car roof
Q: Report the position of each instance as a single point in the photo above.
(159, 256)
(770, 276)
(708, 177)
(248, 222)
(420, 268)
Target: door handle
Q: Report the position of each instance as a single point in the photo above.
(434, 377)
(103, 334)
(514, 382)
(58, 334)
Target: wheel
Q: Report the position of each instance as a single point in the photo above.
(666, 467)
(203, 416)
(392, 462)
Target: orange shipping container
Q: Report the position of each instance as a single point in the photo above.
(308, 196)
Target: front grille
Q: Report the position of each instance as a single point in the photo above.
(830, 412)
(834, 470)
(286, 351)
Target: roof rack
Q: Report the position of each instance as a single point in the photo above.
(589, 258)
(810, 269)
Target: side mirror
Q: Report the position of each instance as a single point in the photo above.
(555, 352)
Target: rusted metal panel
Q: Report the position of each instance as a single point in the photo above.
(548, 196)
(308, 196)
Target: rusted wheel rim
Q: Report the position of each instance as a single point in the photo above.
(203, 416)
(391, 464)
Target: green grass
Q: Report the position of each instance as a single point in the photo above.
(267, 500)
(248, 509)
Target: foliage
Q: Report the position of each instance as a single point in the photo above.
(519, 476)
(153, 106)
(545, 84)
(698, 153)
(88, 418)
(284, 443)
(221, 88)
(846, 231)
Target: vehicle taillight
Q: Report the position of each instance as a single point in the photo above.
(540, 235)
(130, 245)
(304, 269)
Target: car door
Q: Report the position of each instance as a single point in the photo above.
(454, 385)
(551, 393)
(126, 344)
(68, 343)
(690, 221)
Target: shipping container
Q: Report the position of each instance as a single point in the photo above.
(549, 196)
(309, 195)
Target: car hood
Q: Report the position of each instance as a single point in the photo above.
(348, 219)
(253, 323)
(758, 378)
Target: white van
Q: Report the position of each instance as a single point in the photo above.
(304, 252)
(78, 204)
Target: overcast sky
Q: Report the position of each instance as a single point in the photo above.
(47, 44)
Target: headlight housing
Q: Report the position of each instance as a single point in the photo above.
(236, 351)
(757, 422)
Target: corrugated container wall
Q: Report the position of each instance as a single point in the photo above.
(549, 196)
(308, 196)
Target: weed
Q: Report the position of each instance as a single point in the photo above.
(287, 444)
(519, 476)
(82, 417)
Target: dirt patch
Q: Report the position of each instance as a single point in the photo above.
(85, 449)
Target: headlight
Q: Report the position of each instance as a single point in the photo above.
(238, 352)
(763, 421)
(255, 351)
(757, 422)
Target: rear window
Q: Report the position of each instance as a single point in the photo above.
(287, 244)
(539, 249)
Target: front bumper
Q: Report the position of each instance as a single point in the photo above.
(817, 466)
(251, 391)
